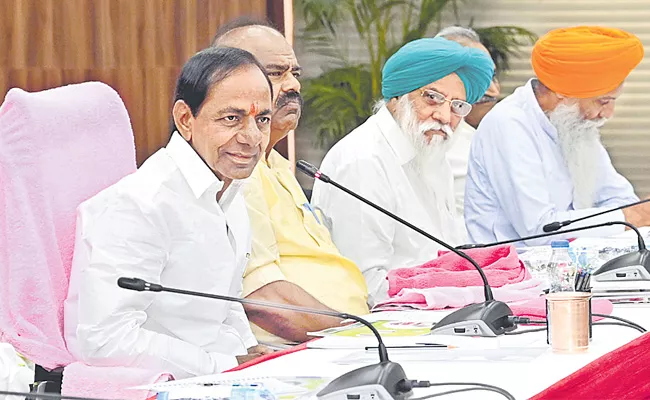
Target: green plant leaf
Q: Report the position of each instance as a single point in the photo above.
(337, 101)
(341, 98)
(505, 41)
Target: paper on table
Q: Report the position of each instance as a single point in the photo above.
(431, 316)
(507, 354)
(384, 327)
(198, 392)
(280, 386)
(463, 342)
(402, 323)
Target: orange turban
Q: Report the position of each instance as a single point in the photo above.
(585, 61)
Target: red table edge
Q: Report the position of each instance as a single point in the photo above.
(270, 356)
(552, 391)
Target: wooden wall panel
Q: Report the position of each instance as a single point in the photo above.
(135, 46)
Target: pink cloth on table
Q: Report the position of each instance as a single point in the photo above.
(501, 266)
(58, 148)
(443, 297)
(523, 298)
(81, 380)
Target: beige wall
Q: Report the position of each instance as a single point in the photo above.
(627, 135)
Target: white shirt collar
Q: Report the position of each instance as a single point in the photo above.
(197, 174)
(536, 109)
(396, 139)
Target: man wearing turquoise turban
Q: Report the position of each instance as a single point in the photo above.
(397, 159)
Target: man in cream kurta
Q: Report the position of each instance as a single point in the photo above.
(397, 160)
(377, 161)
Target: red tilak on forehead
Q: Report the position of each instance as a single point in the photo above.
(253, 109)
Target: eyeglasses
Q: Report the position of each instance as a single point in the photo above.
(458, 107)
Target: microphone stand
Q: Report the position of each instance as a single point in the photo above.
(490, 318)
(633, 266)
(386, 380)
(554, 226)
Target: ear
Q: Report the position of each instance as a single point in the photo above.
(183, 119)
(392, 103)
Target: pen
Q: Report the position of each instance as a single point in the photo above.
(579, 281)
(418, 346)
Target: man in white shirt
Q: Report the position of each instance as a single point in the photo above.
(180, 221)
(397, 160)
(537, 157)
(458, 154)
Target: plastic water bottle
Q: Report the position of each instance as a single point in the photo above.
(562, 269)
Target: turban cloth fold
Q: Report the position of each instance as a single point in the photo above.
(585, 61)
(423, 61)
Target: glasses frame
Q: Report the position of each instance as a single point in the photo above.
(446, 100)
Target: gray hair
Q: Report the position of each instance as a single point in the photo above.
(459, 32)
(378, 105)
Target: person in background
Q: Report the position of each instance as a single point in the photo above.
(458, 155)
(293, 259)
(397, 159)
(537, 156)
(179, 220)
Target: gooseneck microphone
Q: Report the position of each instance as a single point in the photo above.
(633, 266)
(543, 235)
(312, 171)
(554, 226)
(490, 318)
(140, 285)
(385, 376)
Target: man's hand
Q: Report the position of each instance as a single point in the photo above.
(290, 325)
(638, 215)
(254, 352)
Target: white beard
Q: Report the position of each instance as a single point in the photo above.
(427, 152)
(431, 168)
(579, 141)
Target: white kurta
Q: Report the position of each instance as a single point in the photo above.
(458, 158)
(162, 224)
(377, 161)
(518, 181)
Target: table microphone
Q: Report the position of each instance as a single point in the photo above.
(385, 380)
(554, 226)
(633, 266)
(490, 318)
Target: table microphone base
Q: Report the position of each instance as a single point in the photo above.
(378, 381)
(490, 319)
(633, 266)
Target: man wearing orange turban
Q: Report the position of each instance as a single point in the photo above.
(537, 156)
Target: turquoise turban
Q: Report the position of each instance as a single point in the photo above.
(423, 61)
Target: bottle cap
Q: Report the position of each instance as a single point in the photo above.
(559, 244)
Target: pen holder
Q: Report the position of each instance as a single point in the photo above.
(568, 315)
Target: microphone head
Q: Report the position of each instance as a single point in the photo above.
(307, 168)
(552, 227)
(132, 284)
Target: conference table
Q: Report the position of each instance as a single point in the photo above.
(524, 365)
